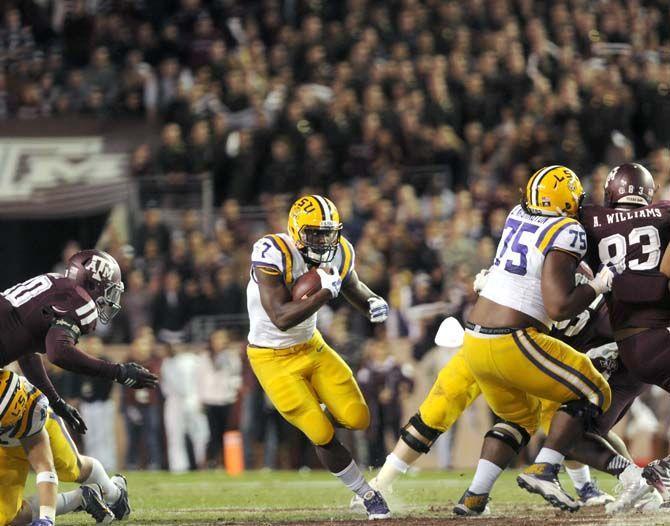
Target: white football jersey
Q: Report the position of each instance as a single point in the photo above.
(514, 280)
(276, 253)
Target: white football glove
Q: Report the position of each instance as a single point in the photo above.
(602, 281)
(330, 279)
(480, 280)
(378, 309)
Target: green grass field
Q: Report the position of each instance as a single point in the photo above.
(261, 498)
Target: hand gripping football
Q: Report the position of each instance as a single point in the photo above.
(306, 285)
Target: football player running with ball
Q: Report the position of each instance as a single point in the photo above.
(294, 365)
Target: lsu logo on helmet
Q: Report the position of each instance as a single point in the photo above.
(554, 191)
(13, 398)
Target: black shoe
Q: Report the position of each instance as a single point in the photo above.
(94, 505)
(473, 504)
(121, 508)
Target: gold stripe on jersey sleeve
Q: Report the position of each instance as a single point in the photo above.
(20, 431)
(548, 235)
(346, 265)
(288, 257)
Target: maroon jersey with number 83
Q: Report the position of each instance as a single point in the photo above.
(639, 297)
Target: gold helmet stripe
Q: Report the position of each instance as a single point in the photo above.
(8, 394)
(535, 185)
(323, 206)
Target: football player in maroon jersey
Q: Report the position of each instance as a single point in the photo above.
(630, 228)
(48, 313)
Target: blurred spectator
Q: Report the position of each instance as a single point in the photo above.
(384, 383)
(219, 378)
(98, 410)
(182, 411)
(152, 228)
(172, 157)
(142, 410)
(170, 311)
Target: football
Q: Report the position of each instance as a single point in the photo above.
(306, 285)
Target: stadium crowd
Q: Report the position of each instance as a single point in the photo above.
(418, 118)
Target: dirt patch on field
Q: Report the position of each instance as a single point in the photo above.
(442, 515)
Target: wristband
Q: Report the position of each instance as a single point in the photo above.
(47, 476)
(48, 512)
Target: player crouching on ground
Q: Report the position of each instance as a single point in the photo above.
(294, 365)
(31, 436)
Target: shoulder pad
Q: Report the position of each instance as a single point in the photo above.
(75, 306)
(565, 234)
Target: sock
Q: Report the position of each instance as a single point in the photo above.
(65, 503)
(617, 464)
(110, 491)
(485, 477)
(391, 470)
(580, 476)
(549, 456)
(353, 479)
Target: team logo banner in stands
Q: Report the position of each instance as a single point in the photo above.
(60, 177)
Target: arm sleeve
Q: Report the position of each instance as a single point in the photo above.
(34, 371)
(61, 351)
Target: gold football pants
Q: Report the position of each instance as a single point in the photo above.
(515, 371)
(14, 468)
(298, 379)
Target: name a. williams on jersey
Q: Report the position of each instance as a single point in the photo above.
(618, 217)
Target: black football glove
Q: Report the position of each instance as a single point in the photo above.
(70, 415)
(135, 376)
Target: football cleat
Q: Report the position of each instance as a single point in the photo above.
(473, 504)
(591, 495)
(376, 506)
(657, 474)
(633, 489)
(542, 479)
(652, 501)
(356, 502)
(121, 507)
(93, 504)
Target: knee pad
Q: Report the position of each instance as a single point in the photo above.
(316, 427)
(358, 416)
(425, 431)
(584, 410)
(509, 433)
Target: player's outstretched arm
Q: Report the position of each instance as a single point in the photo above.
(360, 296)
(280, 307)
(40, 457)
(562, 299)
(62, 352)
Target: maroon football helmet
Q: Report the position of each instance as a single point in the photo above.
(99, 274)
(630, 184)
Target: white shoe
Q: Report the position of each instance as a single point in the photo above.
(633, 489)
(652, 501)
